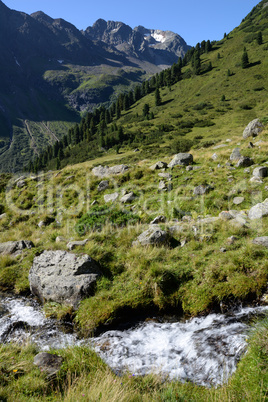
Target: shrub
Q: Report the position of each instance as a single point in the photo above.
(182, 145)
(99, 216)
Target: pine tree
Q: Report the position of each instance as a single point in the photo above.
(157, 97)
(145, 110)
(245, 61)
(259, 38)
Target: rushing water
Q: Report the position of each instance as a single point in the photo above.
(204, 350)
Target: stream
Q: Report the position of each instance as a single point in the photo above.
(204, 350)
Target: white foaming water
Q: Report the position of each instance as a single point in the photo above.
(203, 350)
(22, 320)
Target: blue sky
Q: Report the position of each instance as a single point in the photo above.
(194, 20)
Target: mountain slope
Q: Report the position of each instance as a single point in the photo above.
(199, 110)
(50, 73)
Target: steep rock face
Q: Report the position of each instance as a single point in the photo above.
(152, 45)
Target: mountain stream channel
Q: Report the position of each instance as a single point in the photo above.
(204, 350)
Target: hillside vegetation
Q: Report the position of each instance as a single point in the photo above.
(206, 263)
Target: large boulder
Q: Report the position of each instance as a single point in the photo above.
(63, 277)
(245, 161)
(15, 247)
(253, 129)
(105, 171)
(129, 197)
(48, 362)
(202, 189)
(154, 236)
(259, 210)
(159, 165)
(235, 155)
(111, 197)
(103, 185)
(260, 172)
(261, 241)
(181, 159)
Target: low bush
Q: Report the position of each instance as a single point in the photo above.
(99, 216)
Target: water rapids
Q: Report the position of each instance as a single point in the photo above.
(204, 350)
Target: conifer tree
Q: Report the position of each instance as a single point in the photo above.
(157, 97)
(259, 38)
(245, 61)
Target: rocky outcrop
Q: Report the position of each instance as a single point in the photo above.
(129, 197)
(259, 210)
(253, 129)
(181, 159)
(158, 165)
(15, 247)
(48, 362)
(73, 244)
(63, 277)
(103, 185)
(111, 197)
(245, 161)
(105, 171)
(202, 189)
(260, 172)
(261, 241)
(154, 236)
(235, 155)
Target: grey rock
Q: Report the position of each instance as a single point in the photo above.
(129, 197)
(159, 165)
(162, 186)
(235, 155)
(154, 236)
(253, 129)
(245, 161)
(105, 171)
(176, 229)
(220, 146)
(60, 239)
(201, 189)
(214, 156)
(181, 159)
(48, 362)
(167, 176)
(209, 220)
(255, 180)
(158, 219)
(63, 277)
(259, 210)
(238, 200)
(103, 185)
(260, 172)
(231, 240)
(261, 241)
(15, 247)
(111, 197)
(73, 244)
(3, 216)
(225, 216)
